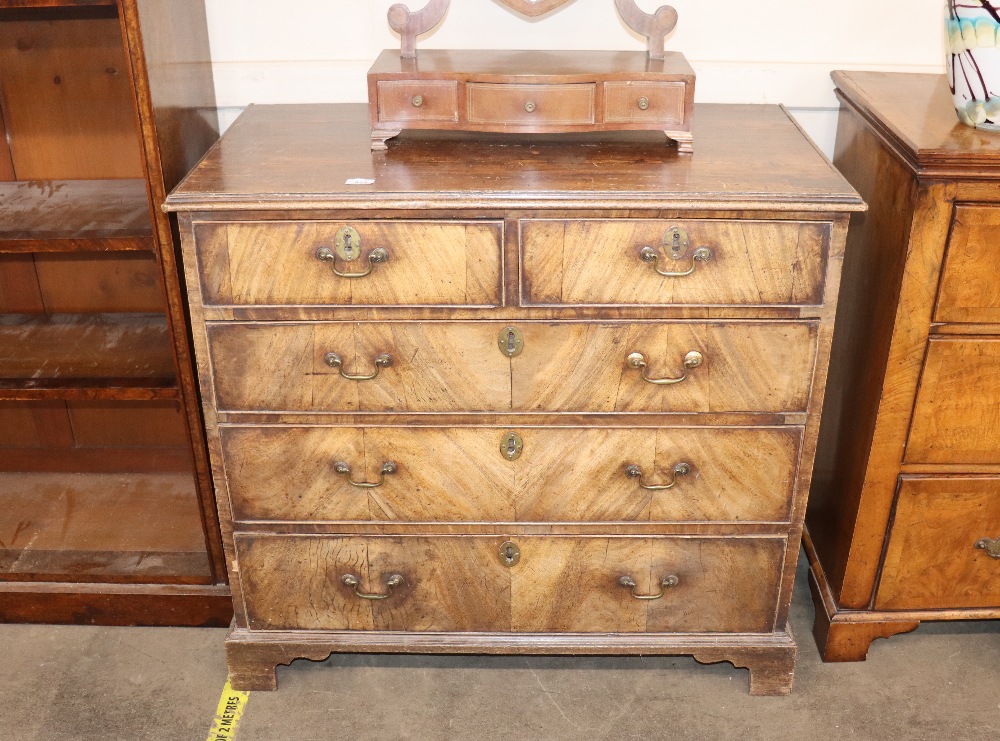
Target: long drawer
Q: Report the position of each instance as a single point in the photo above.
(477, 474)
(567, 584)
(411, 263)
(664, 262)
(559, 366)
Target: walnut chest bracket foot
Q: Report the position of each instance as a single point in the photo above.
(253, 656)
(846, 635)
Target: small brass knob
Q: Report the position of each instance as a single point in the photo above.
(643, 103)
(530, 106)
(418, 100)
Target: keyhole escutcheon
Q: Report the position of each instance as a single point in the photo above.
(510, 341)
(510, 554)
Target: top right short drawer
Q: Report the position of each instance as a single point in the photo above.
(970, 280)
(657, 262)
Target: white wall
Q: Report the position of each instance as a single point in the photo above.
(743, 51)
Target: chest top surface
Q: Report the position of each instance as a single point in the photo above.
(915, 114)
(319, 156)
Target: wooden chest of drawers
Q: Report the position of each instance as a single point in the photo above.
(904, 522)
(562, 399)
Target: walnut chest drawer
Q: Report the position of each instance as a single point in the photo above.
(555, 397)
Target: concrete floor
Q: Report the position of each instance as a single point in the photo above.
(60, 683)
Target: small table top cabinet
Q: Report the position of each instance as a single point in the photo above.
(904, 520)
(536, 394)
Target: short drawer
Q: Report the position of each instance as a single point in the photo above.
(412, 101)
(563, 366)
(645, 102)
(418, 263)
(464, 474)
(955, 417)
(664, 262)
(530, 105)
(937, 556)
(970, 279)
(462, 583)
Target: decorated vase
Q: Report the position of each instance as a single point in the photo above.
(974, 61)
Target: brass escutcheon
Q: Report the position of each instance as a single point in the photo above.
(668, 581)
(510, 341)
(509, 554)
(347, 243)
(511, 446)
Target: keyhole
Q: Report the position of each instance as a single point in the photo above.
(510, 554)
(676, 246)
(511, 450)
(511, 345)
(348, 247)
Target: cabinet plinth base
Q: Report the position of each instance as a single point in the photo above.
(253, 656)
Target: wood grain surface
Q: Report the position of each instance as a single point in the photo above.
(560, 584)
(597, 262)
(459, 474)
(955, 416)
(970, 286)
(430, 263)
(930, 561)
(443, 366)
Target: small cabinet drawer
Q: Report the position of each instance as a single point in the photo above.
(970, 279)
(643, 102)
(661, 263)
(955, 417)
(563, 366)
(554, 584)
(528, 106)
(412, 101)
(464, 474)
(939, 553)
(392, 263)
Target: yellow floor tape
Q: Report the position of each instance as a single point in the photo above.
(228, 714)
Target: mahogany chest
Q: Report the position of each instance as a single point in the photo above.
(473, 394)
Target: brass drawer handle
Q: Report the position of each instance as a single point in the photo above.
(992, 547)
(669, 581)
(333, 360)
(388, 468)
(417, 101)
(352, 581)
(377, 255)
(702, 254)
(643, 103)
(635, 472)
(691, 361)
(529, 106)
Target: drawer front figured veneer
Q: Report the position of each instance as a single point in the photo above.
(567, 584)
(667, 262)
(955, 416)
(463, 474)
(940, 545)
(970, 277)
(531, 105)
(441, 366)
(412, 263)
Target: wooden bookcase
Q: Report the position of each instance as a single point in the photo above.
(106, 507)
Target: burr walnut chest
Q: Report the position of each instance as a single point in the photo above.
(472, 394)
(904, 522)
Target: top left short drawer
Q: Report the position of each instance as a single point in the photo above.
(350, 263)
